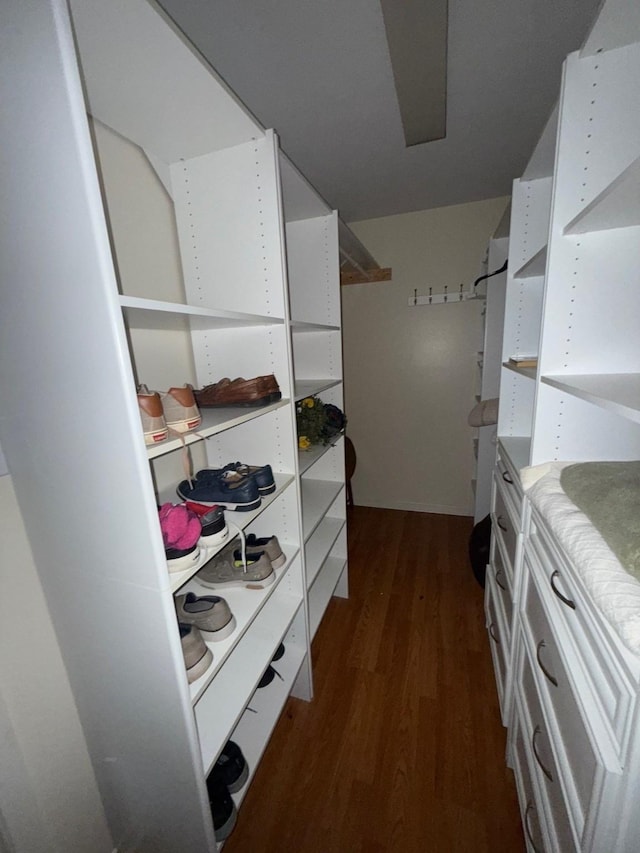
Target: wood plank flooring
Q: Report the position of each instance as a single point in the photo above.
(402, 748)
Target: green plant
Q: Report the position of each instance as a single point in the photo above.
(317, 422)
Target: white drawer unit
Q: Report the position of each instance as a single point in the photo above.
(510, 479)
(505, 524)
(529, 800)
(574, 710)
(543, 761)
(552, 671)
(499, 640)
(598, 672)
(502, 582)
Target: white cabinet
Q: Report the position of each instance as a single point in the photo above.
(489, 362)
(230, 270)
(569, 686)
(314, 282)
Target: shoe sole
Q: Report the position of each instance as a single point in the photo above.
(224, 831)
(245, 404)
(155, 437)
(199, 668)
(182, 563)
(235, 786)
(238, 507)
(184, 426)
(263, 583)
(221, 633)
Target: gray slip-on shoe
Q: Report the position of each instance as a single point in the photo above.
(209, 613)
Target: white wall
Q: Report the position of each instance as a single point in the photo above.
(410, 373)
(49, 800)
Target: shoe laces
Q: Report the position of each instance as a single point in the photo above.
(243, 545)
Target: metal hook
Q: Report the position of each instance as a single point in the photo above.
(430, 297)
(445, 293)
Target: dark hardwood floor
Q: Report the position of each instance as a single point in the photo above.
(402, 748)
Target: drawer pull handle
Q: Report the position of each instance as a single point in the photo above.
(500, 524)
(546, 772)
(492, 628)
(530, 807)
(552, 679)
(562, 598)
(502, 586)
(507, 478)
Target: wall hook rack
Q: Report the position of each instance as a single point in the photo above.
(446, 297)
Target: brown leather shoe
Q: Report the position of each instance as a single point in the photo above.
(259, 391)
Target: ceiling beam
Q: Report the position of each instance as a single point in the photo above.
(417, 39)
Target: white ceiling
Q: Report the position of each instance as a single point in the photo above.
(318, 71)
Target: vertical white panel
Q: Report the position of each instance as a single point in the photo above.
(312, 253)
(567, 428)
(70, 429)
(599, 134)
(228, 215)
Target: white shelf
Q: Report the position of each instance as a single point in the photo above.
(618, 392)
(245, 604)
(214, 421)
(320, 544)
(299, 326)
(534, 267)
(255, 726)
(223, 702)
(322, 590)
(517, 448)
(310, 387)
(617, 206)
(317, 497)
(307, 458)
(528, 372)
(153, 314)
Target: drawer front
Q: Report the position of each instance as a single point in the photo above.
(504, 525)
(532, 817)
(502, 583)
(542, 760)
(510, 481)
(498, 644)
(569, 608)
(580, 764)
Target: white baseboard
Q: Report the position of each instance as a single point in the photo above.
(408, 506)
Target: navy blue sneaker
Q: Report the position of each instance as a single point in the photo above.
(262, 474)
(231, 492)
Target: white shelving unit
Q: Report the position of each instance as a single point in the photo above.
(573, 297)
(488, 361)
(255, 291)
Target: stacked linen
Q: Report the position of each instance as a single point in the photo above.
(612, 586)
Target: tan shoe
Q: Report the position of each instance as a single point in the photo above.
(154, 425)
(180, 409)
(197, 656)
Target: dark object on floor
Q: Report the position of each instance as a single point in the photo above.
(479, 546)
(350, 466)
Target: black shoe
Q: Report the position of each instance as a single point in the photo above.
(223, 809)
(231, 767)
